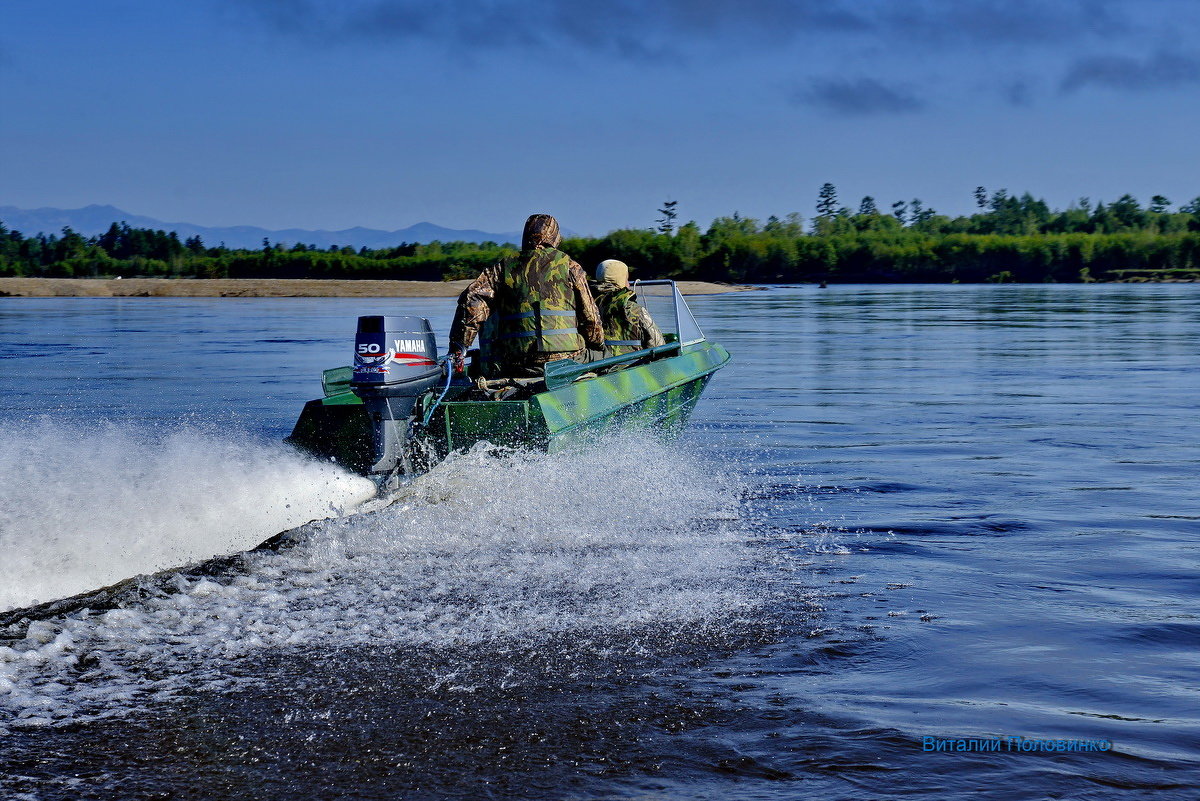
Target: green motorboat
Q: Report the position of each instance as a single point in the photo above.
(399, 410)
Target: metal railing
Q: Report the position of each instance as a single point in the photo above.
(668, 309)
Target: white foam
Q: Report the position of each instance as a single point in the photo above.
(489, 551)
(84, 508)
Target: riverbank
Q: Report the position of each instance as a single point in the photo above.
(261, 288)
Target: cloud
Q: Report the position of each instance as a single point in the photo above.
(638, 29)
(1018, 92)
(1010, 39)
(629, 28)
(1004, 22)
(859, 97)
(1160, 71)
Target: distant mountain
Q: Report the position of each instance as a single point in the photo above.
(92, 220)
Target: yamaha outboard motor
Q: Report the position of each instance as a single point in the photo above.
(395, 362)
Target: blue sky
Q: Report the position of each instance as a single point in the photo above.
(384, 113)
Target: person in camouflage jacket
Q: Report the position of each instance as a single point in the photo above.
(530, 310)
(627, 324)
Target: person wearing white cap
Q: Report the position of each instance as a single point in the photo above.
(627, 324)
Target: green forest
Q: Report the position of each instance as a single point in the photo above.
(1009, 238)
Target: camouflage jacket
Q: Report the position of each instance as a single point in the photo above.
(627, 325)
(488, 292)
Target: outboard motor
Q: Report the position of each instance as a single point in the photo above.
(395, 362)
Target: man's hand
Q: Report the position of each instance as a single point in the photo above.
(458, 360)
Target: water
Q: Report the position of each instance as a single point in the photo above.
(902, 513)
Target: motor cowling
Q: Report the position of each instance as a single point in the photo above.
(395, 362)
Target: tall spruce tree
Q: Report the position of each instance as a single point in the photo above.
(666, 223)
(827, 203)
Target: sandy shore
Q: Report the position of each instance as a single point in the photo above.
(258, 288)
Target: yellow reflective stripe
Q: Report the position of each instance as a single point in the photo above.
(553, 332)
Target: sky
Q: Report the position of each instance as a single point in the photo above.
(475, 113)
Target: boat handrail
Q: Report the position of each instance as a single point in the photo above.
(563, 371)
(685, 326)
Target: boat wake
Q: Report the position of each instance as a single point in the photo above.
(81, 508)
(494, 552)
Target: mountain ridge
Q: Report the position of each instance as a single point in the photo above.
(95, 219)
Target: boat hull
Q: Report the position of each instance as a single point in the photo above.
(657, 396)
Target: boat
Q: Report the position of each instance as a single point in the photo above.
(400, 409)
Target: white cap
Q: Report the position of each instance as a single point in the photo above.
(614, 271)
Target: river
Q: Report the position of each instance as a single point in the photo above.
(919, 541)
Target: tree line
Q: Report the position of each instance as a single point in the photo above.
(140, 252)
(1008, 238)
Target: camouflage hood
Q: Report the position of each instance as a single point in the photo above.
(607, 287)
(540, 229)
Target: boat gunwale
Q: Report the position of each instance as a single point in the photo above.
(583, 422)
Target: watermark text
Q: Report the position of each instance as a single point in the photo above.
(1013, 744)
